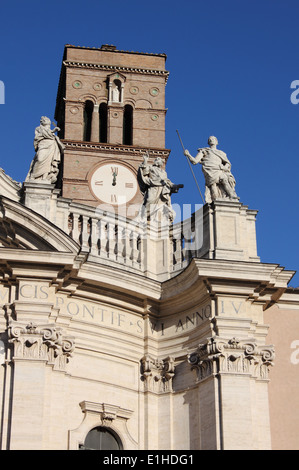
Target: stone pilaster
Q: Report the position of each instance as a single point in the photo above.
(40, 354)
(157, 375)
(235, 371)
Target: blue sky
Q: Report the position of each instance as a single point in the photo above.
(231, 65)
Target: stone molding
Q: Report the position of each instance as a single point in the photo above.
(117, 149)
(40, 342)
(106, 412)
(157, 374)
(114, 68)
(103, 414)
(233, 356)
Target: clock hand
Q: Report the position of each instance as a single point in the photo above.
(114, 171)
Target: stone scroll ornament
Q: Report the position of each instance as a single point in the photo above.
(49, 149)
(219, 181)
(235, 356)
(156, 188)
(157, 374)
(40, 342)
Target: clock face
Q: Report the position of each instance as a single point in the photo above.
(113, 183)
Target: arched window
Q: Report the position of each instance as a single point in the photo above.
(88, 110)
(101, 438)
(103, 122)
(128, 125)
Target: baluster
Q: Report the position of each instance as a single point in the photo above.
(102, 238)
(76, 231)
(120, 244)
(94, 250)
(70, 224)
(140, 248)
(183, 250)
(179, 252)
(128, 250)
(134, 249)
(111, 240)
(84, 234)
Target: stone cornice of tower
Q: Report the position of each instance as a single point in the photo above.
(115, 68)
(111, 48)
(117, 149)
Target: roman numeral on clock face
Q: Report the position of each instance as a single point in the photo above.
(129, 185)
(113, 198)
(114, 170)
(99, 183)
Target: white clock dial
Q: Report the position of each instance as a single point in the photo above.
(113, 183)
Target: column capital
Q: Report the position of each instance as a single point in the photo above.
(157, 374)
(232, 356)
(44, 342)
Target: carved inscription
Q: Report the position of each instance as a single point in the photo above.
(4, 295)
(101, 314)
(181, 323)
(231, 307)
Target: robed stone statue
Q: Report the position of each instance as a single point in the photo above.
(48, 148)
(220, 183)
(156, 188)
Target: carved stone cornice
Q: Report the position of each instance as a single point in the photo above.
(233, 356)
(40, 342)
(117, 149)
(114, 68)
(157, 374)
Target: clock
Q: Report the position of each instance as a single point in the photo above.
(113, 183)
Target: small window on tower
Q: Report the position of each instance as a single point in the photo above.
(103, 122)
(88, 110)
(128, 125)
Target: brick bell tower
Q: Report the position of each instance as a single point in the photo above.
(111, 111)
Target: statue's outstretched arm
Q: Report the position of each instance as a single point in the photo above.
(197, 159)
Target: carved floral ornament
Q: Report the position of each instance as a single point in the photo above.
(157, 374)
(44, 342)
(237, 356)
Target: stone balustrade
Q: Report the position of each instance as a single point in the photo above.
(224, 230)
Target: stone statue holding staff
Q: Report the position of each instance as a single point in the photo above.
(220, 183)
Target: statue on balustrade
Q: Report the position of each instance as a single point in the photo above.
(49, 149)
(156, 188)
(220, 183)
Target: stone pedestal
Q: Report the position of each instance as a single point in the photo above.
(228, 232)
(157, 250)
(41, 197)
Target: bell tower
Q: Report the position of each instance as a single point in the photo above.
(111, 111)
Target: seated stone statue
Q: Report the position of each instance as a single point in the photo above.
(48, 148)
(156, 187)
(220, 183)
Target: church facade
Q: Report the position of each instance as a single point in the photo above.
(119, 328)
